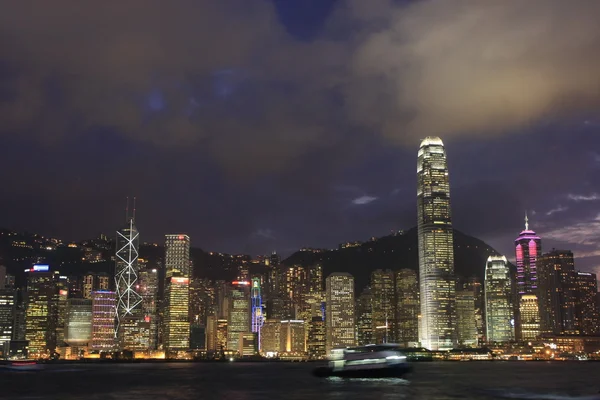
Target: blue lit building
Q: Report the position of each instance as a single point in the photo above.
(257, 309)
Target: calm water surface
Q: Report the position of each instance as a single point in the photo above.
(249, 381)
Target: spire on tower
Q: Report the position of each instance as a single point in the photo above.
(127, 209)
(526, 221)
(133, 217)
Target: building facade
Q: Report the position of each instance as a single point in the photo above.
(104, 310)
(383, 302)
(407, 308)
(466, 328)
(339, 313)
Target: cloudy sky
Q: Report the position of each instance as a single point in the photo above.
(274, 124)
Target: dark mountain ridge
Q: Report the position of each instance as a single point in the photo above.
(394, 252)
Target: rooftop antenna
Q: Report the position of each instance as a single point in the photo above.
(134, 209)
(526, 221)
(127, 209)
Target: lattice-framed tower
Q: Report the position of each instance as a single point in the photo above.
(126, 271)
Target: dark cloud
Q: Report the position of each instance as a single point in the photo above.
(239, 121)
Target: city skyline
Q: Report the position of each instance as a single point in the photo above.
(302, 140)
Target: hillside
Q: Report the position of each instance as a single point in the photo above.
(394, 252)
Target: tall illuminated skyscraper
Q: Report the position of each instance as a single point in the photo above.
(126, 274)
(339, 313)
(257, 309)
(176, 333)
(42, 311)
(528, 248)
(436, 251)
(499, 308)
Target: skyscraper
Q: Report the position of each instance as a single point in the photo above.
(177, 255)
(364, 317)
(257, 309)
(436, 251)
(528, 247)
(126, 274)
(466, 330)
(499, 308)
(42, 311)
(530, 317)
(407, 308)
(557, 292)
(586, 311)
(239, 320)
(8, 307)
(176, 333)
(78, 322)
(382, 291)
(148, 289)
(339, 314)
(104, 309)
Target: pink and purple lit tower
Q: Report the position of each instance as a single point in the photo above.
(528, 248)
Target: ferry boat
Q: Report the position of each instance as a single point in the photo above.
(371, 361)
(20, 365)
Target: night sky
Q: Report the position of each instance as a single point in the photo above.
(269, 125)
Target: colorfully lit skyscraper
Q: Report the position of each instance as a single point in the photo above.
(126, 273)
(499, 307)
(339, 312)
(528, 247)
(257, 309)
(436, 251)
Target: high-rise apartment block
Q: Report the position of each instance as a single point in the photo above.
(436, 248)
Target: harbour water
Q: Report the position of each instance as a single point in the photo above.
(249, 381)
